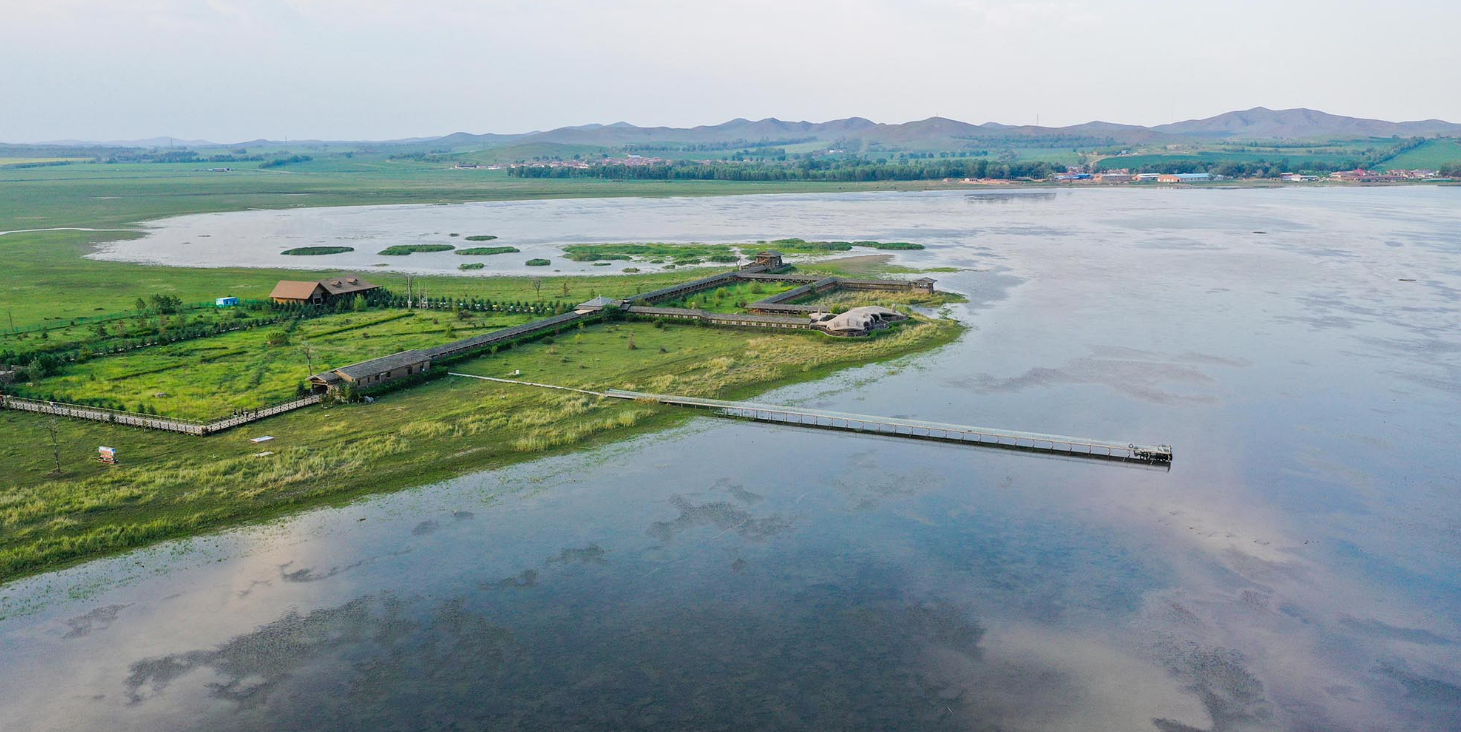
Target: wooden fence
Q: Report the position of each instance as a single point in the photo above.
(149, 421)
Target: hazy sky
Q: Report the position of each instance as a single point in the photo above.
(232, 70)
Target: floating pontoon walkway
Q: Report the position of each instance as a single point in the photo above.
(918, 429)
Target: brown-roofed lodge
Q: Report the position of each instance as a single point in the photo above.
(318, 292)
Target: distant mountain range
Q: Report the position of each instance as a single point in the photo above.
(1262, 123)
(934, 133)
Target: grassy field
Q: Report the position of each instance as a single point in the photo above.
(22, 162)
(210, 377)
(1297, 158)
(44, 277)
(839, 300)
(171, 485)
(1431, 155)
(731, 298)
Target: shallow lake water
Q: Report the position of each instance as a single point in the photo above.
(1296, 569)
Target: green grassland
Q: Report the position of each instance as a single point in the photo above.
(1297, 159)
(171, 485)
(22, 162)
(208, 378)
(840, 300)
(1431, 155)
(47, 273)
(731, 298)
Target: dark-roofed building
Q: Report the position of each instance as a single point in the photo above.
(373, 373)
(319, 292)
(309, 293)
(924, 283)
(771, 258)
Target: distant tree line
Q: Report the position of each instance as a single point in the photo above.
(281, 162)
(808, 169)
(713, 146)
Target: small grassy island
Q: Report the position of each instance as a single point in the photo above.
(538, 262)
(484, 251)
(401, 250)
(682, 254)
(480, 237)
(314, 251)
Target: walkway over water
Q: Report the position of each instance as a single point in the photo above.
(918, 429)
(1082, 447)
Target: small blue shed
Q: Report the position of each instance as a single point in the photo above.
(225, 302)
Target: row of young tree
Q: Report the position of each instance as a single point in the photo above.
(43, 359)
(807, 169)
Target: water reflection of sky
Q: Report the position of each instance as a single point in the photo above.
(1295, 570)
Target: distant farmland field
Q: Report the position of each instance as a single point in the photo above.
(1298, 160)
(1431, 155)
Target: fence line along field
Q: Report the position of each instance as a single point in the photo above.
(209, 377)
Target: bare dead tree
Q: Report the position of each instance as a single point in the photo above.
(52, 425)
(538, 287)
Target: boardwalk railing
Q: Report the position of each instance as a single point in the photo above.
(918, 429)
(152, 421)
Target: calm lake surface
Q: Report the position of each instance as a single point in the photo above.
(1299, 568)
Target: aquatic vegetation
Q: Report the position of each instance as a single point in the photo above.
(484, 251)
(313, 251)
(401, 250)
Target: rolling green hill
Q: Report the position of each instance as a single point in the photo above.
(1430, 155)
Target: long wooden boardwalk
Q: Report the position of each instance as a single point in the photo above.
(918, 429)
(1081, 447)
